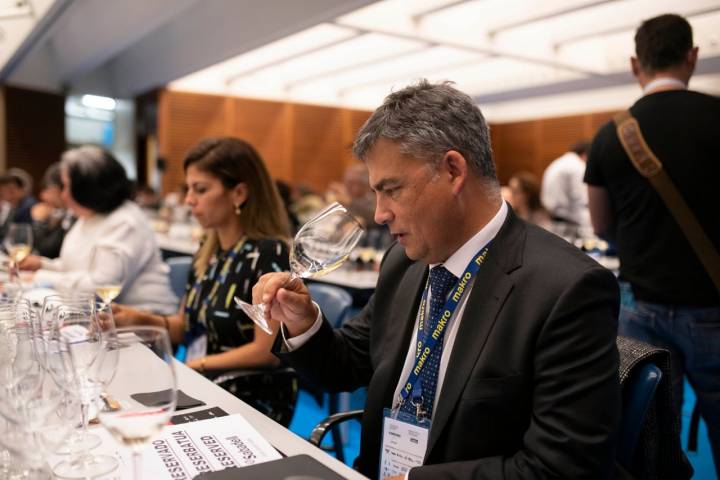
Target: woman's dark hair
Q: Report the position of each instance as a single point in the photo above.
(530, 186)
(97, 180)
(234, 161)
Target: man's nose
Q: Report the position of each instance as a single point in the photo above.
(383, 215)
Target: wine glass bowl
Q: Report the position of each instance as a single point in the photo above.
(108, 272)
(18, 241)
(319, 247)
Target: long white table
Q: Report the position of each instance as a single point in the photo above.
(201, 388)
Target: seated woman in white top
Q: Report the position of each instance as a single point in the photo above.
(97, 190)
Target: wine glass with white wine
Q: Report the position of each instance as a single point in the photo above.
(18, 243)
(108, 272)
(319, 247)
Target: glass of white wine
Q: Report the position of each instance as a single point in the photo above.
(136, 424)
(319, 247)
(108, 272)
(18, 243)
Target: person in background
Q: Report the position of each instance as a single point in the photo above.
(146, 197)
(16, 190)
(564, 193)
(522, 381)
(355, 194)
(51, 219)
(231, 194)
(525, 199)
(285, 192)
(670, 300)
(97, 191)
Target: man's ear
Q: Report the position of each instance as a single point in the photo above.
(455, 165)
(691, 58)
(635, 67)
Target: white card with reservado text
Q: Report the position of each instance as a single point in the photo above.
(404, 442)
(183, 451)
(186, 450)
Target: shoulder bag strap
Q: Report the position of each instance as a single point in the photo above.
(650, 167)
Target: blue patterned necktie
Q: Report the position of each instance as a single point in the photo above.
(441, 281)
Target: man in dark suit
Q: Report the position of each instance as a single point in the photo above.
(519, 379)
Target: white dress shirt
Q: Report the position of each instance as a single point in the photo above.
(456, 264)
(563, 193)
(127, 230)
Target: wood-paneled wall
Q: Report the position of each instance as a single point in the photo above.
(531, 145)
(302, 144)
(311, 145)
(34, 130)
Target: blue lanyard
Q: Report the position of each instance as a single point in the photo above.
(427, 342)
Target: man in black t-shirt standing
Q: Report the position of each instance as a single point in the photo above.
(671, 300)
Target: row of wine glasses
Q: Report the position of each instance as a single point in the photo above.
(55, 366)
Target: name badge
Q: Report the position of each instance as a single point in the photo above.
(404, 442)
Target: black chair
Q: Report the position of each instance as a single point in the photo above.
(649, 443)
(638, 394)
(273, 392)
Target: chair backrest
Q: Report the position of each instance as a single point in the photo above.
(638, 392)
(334, 302)
(179, 270)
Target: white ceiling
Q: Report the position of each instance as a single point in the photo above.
(518, 58)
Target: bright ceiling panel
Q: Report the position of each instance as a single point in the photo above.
(487, 47)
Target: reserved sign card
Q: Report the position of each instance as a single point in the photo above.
(184, 451)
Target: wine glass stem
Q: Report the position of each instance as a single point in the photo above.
(137, 463)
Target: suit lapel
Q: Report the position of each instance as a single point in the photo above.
(401, 325)
(490, 289)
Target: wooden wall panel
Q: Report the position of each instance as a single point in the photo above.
(318, 150)
(556, 136)
(183, 120)
(266, 126)
(300, 143)
(515, 148)
(352, 121)
(34, 130)
(311, 145)
(532, 145)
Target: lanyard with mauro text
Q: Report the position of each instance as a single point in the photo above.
(427, 342)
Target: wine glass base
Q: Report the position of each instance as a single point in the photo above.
(81, 443)
(86, 467)
(256, 313)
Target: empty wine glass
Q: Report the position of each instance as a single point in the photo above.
(108, 272)
(136, 424)
(319, 247)
(35, 410)
(78, 330)
(18, 243)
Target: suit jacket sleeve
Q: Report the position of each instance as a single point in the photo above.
(576, 394)
(337, 360)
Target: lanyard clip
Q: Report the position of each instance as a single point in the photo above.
(420, 412)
